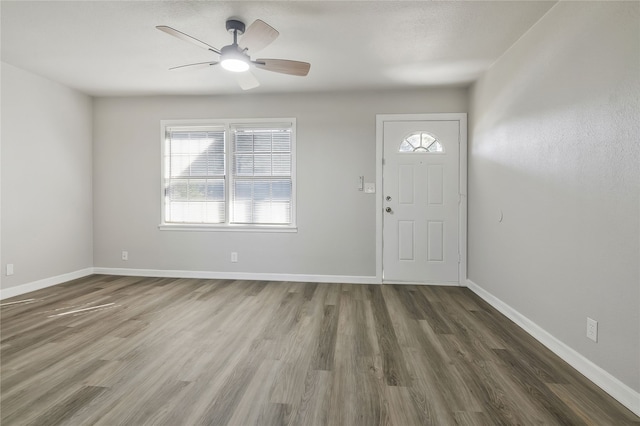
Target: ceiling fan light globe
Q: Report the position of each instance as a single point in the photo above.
(234, 65)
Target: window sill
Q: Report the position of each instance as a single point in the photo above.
(227, 228)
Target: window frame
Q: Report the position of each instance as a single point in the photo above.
(228, 125)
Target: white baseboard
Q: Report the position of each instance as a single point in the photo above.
(439, 284)
(59, 279)
(614, 387)
(46, 282)
(345, 279)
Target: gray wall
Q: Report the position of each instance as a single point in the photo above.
(554, 144)
(335, 145)
(46, 178)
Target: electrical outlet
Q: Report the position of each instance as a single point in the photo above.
(592, 329)
(9, 269)
(234, 257)
(125, 255)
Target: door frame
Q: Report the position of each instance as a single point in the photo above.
(461, 118)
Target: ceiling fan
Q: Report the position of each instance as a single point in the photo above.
(235, 56)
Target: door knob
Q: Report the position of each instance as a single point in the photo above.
(388, 210)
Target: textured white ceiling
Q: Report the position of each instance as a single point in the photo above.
(111, 48)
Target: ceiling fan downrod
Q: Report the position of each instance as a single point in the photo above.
(236, 27)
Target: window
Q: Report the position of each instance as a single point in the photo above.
(420, 142)
(229, 174)
(194, 184)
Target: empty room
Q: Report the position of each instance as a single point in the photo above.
(320, 213)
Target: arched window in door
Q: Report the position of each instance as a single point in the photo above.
(420, 142)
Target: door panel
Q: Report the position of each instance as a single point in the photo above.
(435, 186)
(420, 222)
(405, 184)
(406, 238)
(435, 237)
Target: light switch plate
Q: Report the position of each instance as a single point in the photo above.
(9, 269)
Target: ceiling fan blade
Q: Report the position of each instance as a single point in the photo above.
(246, 80)
(187, 37)
(284, 66)
(197, 64)
(258, 36)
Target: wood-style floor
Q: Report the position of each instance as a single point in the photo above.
(130, 351)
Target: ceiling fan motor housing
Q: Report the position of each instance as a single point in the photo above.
(235, 52)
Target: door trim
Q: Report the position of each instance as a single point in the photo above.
(462, 215)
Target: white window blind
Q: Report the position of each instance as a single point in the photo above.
(195, 175)
(262, 178)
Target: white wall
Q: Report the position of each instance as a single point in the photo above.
(335, 145)
(46, 178)
(554, 144)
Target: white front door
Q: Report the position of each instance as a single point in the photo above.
(421, 201)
